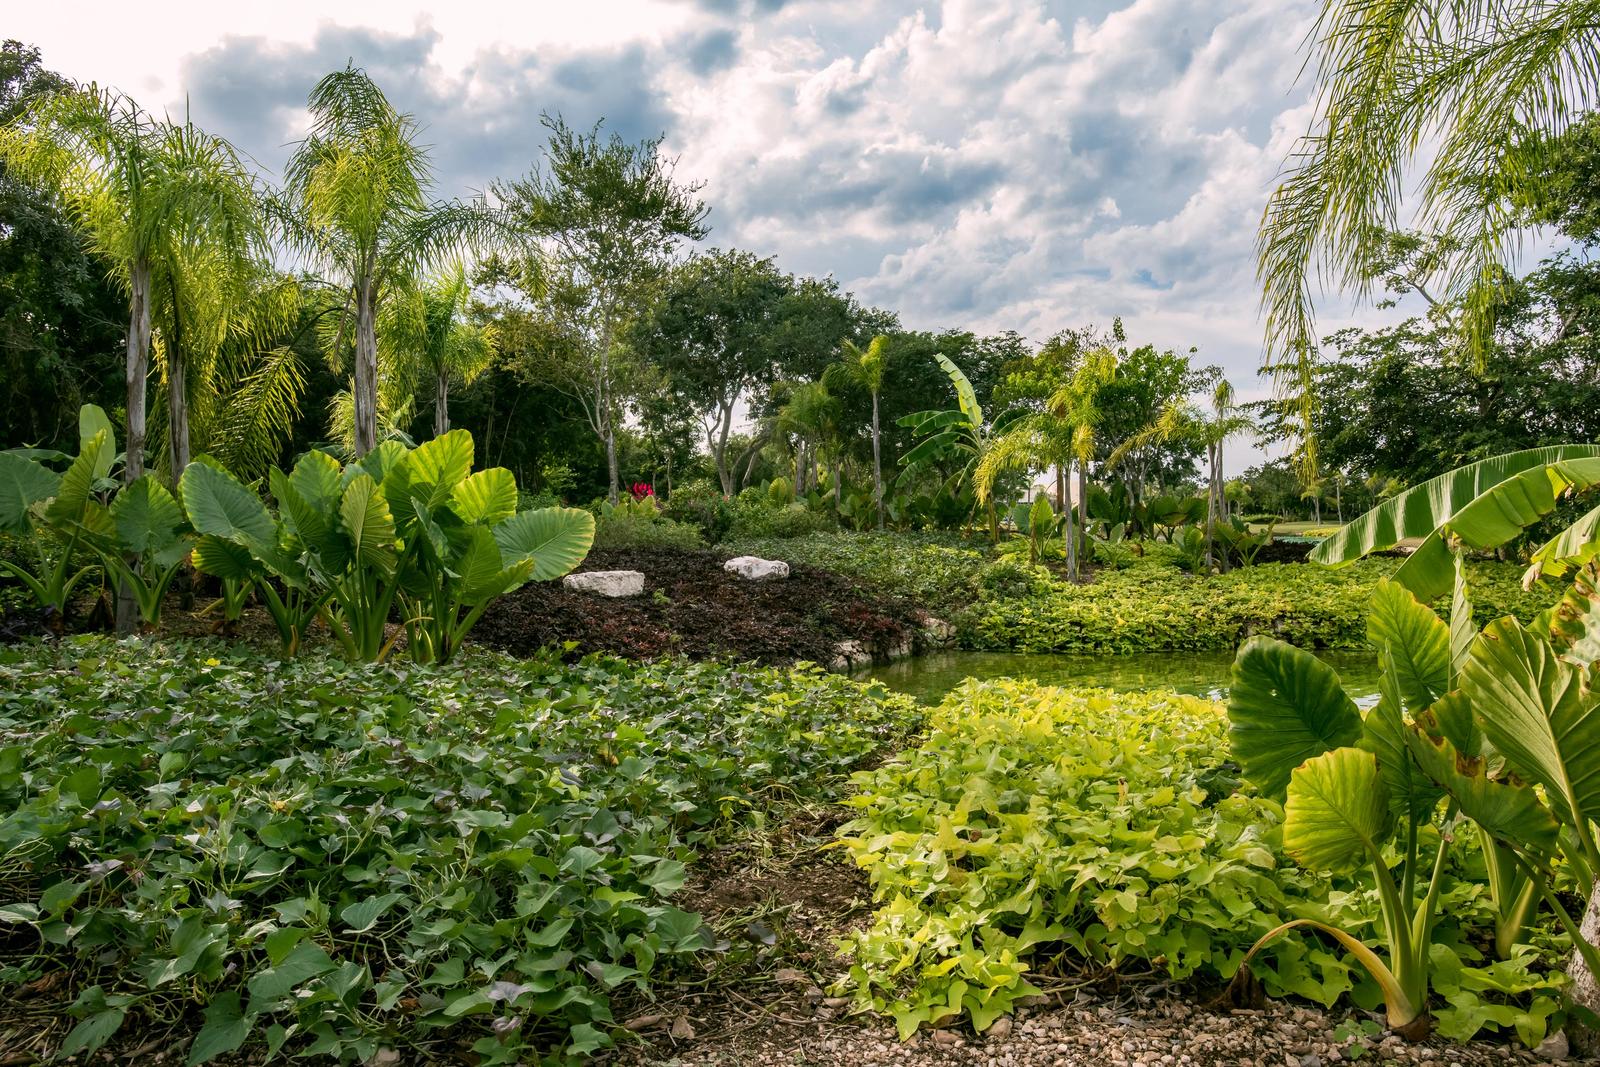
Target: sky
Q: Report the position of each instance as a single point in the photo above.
(1030, 165)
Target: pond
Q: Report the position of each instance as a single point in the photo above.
(928, 678)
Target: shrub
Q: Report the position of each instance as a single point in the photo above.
(342, 857)
(758, 517)
(624, 530)
(701, 504)
(1154, 607)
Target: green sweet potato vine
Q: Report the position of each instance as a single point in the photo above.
(1037, 833)
(333, 859)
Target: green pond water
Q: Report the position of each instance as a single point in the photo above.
(929, 678)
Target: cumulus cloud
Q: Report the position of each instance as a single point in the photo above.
(987, 164)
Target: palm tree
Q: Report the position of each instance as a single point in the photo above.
(1057, 436)
(203, 289)
(357, 204)
(866, 366)
(1464, 88)
(426, 341)
(142, 192)
(812, 414)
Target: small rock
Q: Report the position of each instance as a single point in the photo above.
(1554, 1047)
(681, 1029)
(757, 569)
(1000, 1029)
(606, 583)
(946, 1038)
(789, 975)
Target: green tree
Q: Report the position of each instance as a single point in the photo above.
(710, 331)
(136, 188)
(59, 329)
(606, 217)
(356, 202)
(1465, 91)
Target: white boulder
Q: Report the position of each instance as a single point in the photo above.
(606, 583)
(756, 569)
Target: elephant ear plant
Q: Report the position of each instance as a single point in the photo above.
(413, 530)
(140, 538)
(1497, 731)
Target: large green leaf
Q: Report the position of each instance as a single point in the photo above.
(368, 524)
(1412, 796)
(1536, 712)
(1286, 706)
(1575, 623)
(22, 484)
(220, 506)
(1414, 641)
(556, 539)
(1508, 811)
(91, 421)
(1503, 511)
(432, 470)
(75, 492)
(1572, 547)
(966, 396)
(487, 497)
(146, 516)
(480, 565)
(1423, 509)
(1337, 811)
(377, 463)
(224, 559)
(318, 479)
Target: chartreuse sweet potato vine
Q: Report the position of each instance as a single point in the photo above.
(321, 858)
(1040, 834)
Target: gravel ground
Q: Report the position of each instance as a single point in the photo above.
(1167, 1034)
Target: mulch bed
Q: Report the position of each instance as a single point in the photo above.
(691, 606)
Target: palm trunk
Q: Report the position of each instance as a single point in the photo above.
(365, 388)
(177, 407)
(838, 483)
(1083, 497)
(1066, 528)
(877, 463)
(138, 374)
(441, 404)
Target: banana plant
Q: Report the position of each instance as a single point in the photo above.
(54, 511)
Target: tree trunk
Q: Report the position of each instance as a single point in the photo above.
(719, 448)
(1338, 502)
(1083, 497)
(177, 407)
(877, 462)
(1061, 489)
(365, 387)
(611, 457)
(1066, 527)
(838, 484)
(441, 404)
(1585, 989)
(138, 374)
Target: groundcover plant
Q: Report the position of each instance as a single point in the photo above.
(326, 858)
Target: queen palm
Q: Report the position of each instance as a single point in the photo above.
(356, 202)
(1058, 436)
(866, 366)
(204, 289)
(1456, 90)
(427, 341)
(140, 190)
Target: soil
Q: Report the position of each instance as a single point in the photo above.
(691, 606)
